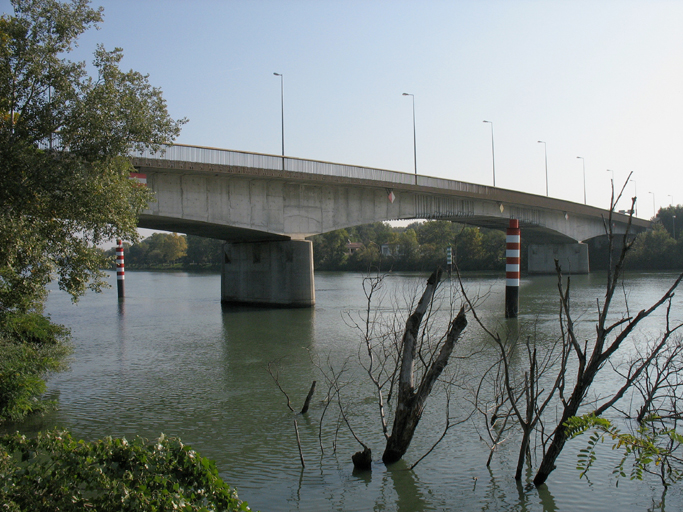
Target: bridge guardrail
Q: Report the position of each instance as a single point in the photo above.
(261, 161)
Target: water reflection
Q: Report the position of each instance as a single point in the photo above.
(409, 493)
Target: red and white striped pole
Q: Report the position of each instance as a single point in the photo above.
(513, 245)
(120, 272)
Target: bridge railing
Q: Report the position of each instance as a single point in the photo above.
(261, 161)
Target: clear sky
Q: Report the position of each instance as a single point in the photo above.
(598, 79)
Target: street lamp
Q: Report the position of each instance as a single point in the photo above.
(584, 178)
(414, 135)
(493, 153)
(635, 194)
(671, 201)
(673, 222)
(282, 107)
(654, 211)
(545, 147)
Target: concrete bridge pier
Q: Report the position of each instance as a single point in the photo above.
(573, 258)
(269, 273)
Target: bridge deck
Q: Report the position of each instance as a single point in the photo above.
(203, 160)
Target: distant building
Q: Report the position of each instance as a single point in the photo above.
(352, 247)
(391, 250)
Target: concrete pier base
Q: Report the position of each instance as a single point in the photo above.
(275, 274)
(573, 258)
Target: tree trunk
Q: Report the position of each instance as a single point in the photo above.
(559, 436)
(411, 403)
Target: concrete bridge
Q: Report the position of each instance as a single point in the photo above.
(264, 207)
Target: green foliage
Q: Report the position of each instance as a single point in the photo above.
(160, 249)
(64, 141)
(420, 246)
(204, 251)
(31, 347)
(329, 250)
(655, 250)
(56, 472)
(653, 444)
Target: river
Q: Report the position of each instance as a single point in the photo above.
(171, 359)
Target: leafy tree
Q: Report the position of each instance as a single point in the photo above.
(439, 233)
(65, 137)
(654, 250)
(493, 247)
(64, 141)
(31, 346)
(654, 447)
(410, 249)
(469, 249)
(671, 218)
(56, 472)
(329, 250)
(203, 251)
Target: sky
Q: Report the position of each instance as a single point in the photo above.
(598, 79)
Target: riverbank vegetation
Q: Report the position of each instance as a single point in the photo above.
(53, 471)
(65, 188)
(65, 137)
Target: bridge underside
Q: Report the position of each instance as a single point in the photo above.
(208, 230)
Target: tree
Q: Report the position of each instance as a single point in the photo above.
(403, 363)
(561, 373)
(329, 250)
(654, 250)
(64, 141)
(412, 396)
(203, 251)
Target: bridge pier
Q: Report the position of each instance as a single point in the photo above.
(270, 273)
(573, 258)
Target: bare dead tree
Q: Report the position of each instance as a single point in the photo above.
(411, 396)
(274, 372)
(491, 402)
(609, 340)
(661, 383)
(520, 395)
(404, 362)
(563, 374)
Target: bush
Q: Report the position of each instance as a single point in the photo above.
(56, 472)
(31, 347)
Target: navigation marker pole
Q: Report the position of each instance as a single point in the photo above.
(512, 262)
(120, 272)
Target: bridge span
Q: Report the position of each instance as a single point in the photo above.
(264, 207)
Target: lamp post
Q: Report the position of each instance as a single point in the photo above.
(545, 147)
(635, 193)
(673, 223)
(282, 108)
(671, 200)
(584, 178)
(414, 135)
(493, 153)
(654, 211)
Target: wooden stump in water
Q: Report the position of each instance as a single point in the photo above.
(362, 461)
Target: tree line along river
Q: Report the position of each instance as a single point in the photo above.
(171, 359)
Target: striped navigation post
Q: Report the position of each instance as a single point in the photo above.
(449, 259)
(512, 261)
(120, 272)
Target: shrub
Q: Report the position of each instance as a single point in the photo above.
(56, 472)
(31, 347)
